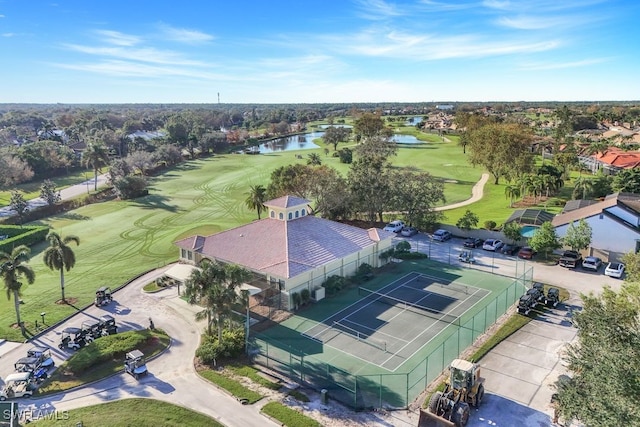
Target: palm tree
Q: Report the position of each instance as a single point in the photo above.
(512, 192)
(12, 267)
(59, 256)
(256, 196)
(582, 185)
(215, 288)
(95, 156)
(314, 159)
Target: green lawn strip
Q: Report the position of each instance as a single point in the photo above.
(236, 389)
(254, 375)
(152, 287)
(129, 412)
(103, 357)
(287, 416)
(508, 328)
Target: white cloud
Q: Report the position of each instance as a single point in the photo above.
(117, 38)
(151, 55)
(378, 9)
(561, 65)
(184, 35)
(8, 34)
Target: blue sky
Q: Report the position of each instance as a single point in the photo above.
(308, 51)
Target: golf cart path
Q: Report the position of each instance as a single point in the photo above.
(476, 194)
(172, 377)
(65, 194)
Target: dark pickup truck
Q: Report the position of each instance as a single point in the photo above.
(570, 259)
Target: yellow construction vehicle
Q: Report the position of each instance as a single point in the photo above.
(450, 408)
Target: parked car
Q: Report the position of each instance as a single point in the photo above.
(614, 269)
(441, 235)
(409, 231)
(492, 245)
(473, 242)
(570, 259)
(510, 249)
(526, 253)
(592, 263)
(395, 226)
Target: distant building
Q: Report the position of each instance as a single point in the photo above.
(444, 107)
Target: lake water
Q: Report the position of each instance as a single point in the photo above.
(305, 142)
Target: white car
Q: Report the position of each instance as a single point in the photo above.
(441, 235)
(395, 226)
(614, 269)
(592, 263)
(492, 245)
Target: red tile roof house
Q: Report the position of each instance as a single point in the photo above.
(291, 247)
(615, 225)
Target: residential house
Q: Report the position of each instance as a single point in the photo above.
(615, 225)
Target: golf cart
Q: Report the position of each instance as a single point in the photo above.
(72, 338)
(26, 364)
(108, 325)
(103, 296)
(17, 385)
(92, 330)
(466, 256)
(43, 355)
(134, 364)
(553, 297)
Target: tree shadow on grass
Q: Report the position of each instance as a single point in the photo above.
(156, 201)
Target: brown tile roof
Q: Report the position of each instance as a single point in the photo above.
(285, 248)
(287, 202)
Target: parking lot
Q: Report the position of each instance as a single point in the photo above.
(520, 372)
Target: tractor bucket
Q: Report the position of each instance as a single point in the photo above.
(429, 419)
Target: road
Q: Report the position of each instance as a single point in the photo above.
(172, 376)
(65, 194)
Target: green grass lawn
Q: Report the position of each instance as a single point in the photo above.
(121, 239)
(130, 412)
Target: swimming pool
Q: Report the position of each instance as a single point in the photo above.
(528, 230)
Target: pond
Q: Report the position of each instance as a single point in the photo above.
(305, 142)
(414, 120)
(289, 143)
(405, 139)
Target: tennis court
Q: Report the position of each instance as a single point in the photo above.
(380, 343)
(386, 327)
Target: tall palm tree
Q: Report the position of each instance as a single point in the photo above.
(12, 266)
(215, 288)
(59, 256)
(256, 196)
(95, 156)
(512, 192)
(582, 185)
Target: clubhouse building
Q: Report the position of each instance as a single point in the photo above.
(291, 249)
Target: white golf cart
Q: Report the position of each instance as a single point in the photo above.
(134, 364)
(17, 385)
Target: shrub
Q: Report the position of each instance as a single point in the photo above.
(412, 255)
(333, 284)
(297, 300)
(490, 225)
(346, 155)
(305, 296)
(364, 269)
(231, 347)
(403, 247)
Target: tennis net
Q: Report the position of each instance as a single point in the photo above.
(380, 345)
(422, 310)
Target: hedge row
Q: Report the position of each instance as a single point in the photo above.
(21, 236)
